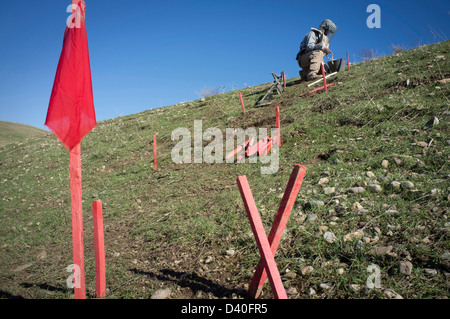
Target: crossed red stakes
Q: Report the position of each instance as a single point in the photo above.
(267, 246)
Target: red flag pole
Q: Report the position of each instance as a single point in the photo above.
(77, 220)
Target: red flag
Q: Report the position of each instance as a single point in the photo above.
(71, 113)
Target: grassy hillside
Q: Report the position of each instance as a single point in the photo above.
(17, 132)
(184, 226)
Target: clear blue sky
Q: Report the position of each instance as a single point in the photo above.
(146, 54)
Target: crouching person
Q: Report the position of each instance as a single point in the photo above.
(312, 49)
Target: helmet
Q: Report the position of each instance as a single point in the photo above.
(328, 25)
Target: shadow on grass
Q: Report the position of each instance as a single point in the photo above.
(193, 282)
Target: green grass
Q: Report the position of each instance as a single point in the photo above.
(161, 226)
(15, 132)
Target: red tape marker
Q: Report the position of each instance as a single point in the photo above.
(99, 241)
(261, 239)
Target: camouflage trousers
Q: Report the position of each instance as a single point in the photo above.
(310, 63)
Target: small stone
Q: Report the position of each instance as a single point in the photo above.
(340, 271)
(432, 122)
(209, 259)
(422, 144)
(290, 275)
(306, 270)
(230, 252)
(323, 180)
(312, 218)
(375, 188)
(380, 251)
(352, 236)
(405, 267)
(161, 294)
(357, 206)
(431, 272)
(408, 184)
(355, 287)
(292, 291)
(385, 163)
(312, 292)
(356, 190)
(329, 190)
(329, 237)
(316, 203)
(394, 185)
(370, 174)
(391, 294)
(325, 286)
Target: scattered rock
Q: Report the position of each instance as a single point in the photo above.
(355, 287)
(356, 190)
(391, 294)
(323, 180)
(325, 286)
(230, 252)
(375, 188)
(312, 218)
(357, 206)
(432, 122)
(290, 275)
(292, 291)
(394, 185)
(380, 251)
(161, 294)
(422, 144)
(209, 259)
(352, 236)
(385, 163)
(405, 267)
(329, 237)
(431, 272)
(306, 270)
(370, 174)
(316, 203)
(329, 190)
(407, 184)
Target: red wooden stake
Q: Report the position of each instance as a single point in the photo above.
(315, 90)
(99, 241)
(324, 79)
(261, 239)
(284, 79)
(242, 102)
(348, 63)
(277, 114)
(155, 154)
(278, 226)
(77, 220)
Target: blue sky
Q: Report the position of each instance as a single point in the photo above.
(146, 54)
